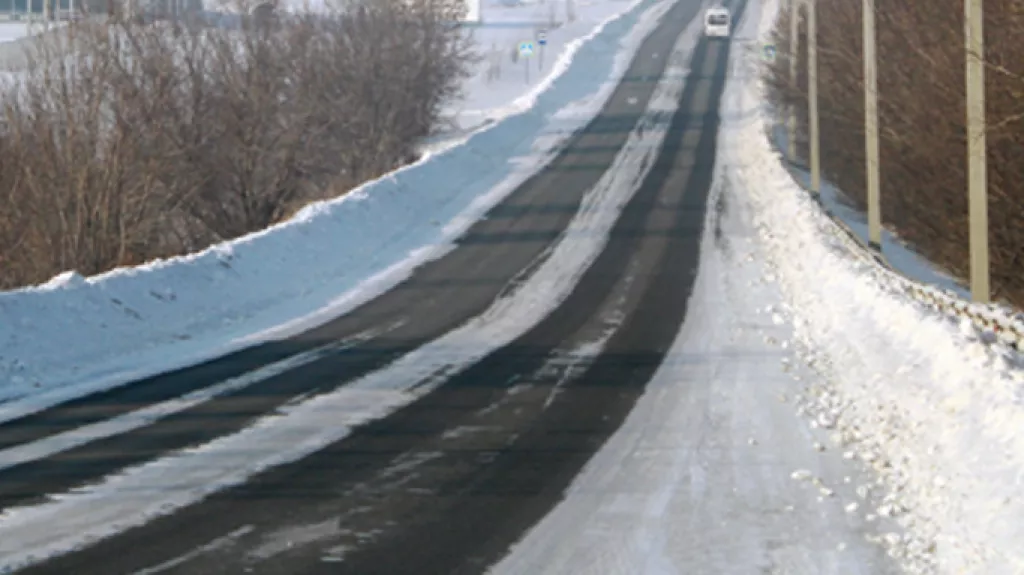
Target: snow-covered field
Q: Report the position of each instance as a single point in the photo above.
(76, 335)
(11, 31)
(927, 403)
(15, 38)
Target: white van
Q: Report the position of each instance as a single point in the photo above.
(717, 22)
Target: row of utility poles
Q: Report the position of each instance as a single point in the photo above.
(977, 178)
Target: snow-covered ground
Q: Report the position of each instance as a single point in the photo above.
(503, 83)
(14, 39)
(924, 401)
(76, 335)
(911, 272)
(11, 31)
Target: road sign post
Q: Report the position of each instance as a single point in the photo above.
(542, 41)
(794, 45)
(525, 51)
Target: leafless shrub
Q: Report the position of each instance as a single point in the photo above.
(123, 141)
(922, 117)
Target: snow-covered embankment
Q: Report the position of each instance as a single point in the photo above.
(931, 405)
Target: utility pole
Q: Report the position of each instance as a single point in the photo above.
(977, 178)
(812, 65)
(812, 91)
(871, 128)
(542, 41)
(794, 56)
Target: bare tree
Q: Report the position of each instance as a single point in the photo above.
(125, 142)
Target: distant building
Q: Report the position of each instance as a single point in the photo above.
(64, 9)
(166, 9)
(26, 9)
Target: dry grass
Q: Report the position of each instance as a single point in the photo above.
(922, 119)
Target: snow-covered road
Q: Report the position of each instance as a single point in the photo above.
(548, 348)
(140, 494)
(714, 472)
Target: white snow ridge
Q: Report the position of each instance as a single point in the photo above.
(933, 410)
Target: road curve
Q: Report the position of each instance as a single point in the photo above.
(449, 482)
(490, 260)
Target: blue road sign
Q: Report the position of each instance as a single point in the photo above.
(542, 37)
(769, 52)
(526, 49)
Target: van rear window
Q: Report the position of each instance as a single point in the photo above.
(718, 19)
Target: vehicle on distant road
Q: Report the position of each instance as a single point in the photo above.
(717, 22)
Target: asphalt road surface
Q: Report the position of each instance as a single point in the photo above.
(491, 259)
(404, 494)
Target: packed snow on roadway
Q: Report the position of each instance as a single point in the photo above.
(910, 420)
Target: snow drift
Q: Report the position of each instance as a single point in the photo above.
(933, 406)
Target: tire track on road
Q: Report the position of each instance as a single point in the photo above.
(439, 297)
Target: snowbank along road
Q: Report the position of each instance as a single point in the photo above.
(441, 423)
